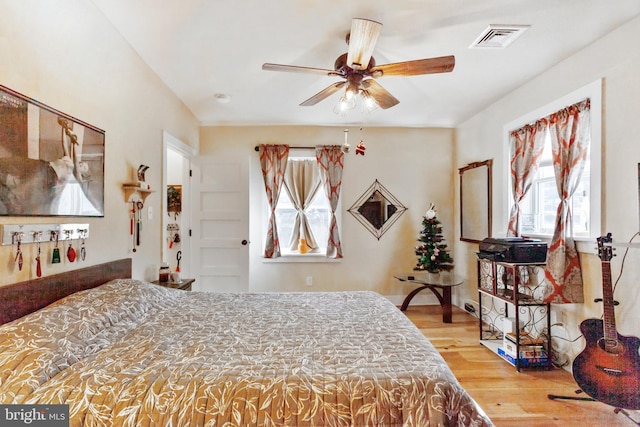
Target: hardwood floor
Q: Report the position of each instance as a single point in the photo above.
(509, 398)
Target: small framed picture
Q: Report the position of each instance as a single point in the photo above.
(174, 199)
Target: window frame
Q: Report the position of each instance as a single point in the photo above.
(293, 257)
(534, 203)
(594, 92)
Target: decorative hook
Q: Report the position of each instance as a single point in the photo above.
(83, 236)
(18, 238)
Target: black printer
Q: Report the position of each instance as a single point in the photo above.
(513, 249)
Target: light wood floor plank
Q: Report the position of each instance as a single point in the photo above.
(510, 398)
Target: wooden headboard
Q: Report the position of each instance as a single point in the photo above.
(20, 299)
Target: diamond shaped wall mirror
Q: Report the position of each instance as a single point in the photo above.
(377, 209)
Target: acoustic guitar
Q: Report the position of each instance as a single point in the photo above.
(608, 369)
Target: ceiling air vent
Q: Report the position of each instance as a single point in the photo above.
(498, 36)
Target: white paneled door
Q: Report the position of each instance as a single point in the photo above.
(220, 226)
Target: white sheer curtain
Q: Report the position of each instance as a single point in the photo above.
(302, 182)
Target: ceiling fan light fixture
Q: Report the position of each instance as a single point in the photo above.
(349, 95)
(351, 91)
(344, 105)
(347, 103)
(362, 39)
(369, 104)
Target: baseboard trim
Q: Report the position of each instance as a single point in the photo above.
(424, 299)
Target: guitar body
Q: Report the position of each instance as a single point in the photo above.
(609, 376)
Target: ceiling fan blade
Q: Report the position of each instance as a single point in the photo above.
(442, 64)
(362, 39)
(383, 98)
(298, 69)
(324, 93)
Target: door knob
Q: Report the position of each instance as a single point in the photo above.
(244, 242)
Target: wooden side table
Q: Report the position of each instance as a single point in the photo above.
(443, 284)
(184, 284)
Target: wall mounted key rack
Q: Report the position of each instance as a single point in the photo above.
(33, 233)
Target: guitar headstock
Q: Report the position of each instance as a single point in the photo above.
(605, 249)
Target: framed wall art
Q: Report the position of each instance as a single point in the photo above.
(174, 199)
(51, 164)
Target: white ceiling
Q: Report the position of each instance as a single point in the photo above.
(203, 47)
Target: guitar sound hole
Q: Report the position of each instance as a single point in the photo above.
(611, 346)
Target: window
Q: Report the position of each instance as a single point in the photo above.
(318, 214)
(539, 206)
(318, 211)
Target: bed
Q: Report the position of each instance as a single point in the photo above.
(125, 352)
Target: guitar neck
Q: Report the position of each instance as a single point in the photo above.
(609, 322)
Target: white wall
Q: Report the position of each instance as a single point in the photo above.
(616, 59)
(415, 165)
(66, 55)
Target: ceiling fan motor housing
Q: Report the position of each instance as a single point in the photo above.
(341, 66)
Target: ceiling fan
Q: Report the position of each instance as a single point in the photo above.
(359, 70)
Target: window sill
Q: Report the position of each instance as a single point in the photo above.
(584, 244)
(297, 258)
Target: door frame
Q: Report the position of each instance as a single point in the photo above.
(170, 142)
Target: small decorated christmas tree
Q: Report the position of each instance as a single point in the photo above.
(432, 252)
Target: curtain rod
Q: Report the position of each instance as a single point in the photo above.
(257, 148)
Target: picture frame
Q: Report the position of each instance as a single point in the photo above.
(174, 198)
(51, 164)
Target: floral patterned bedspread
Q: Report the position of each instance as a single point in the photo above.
(130, 353)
